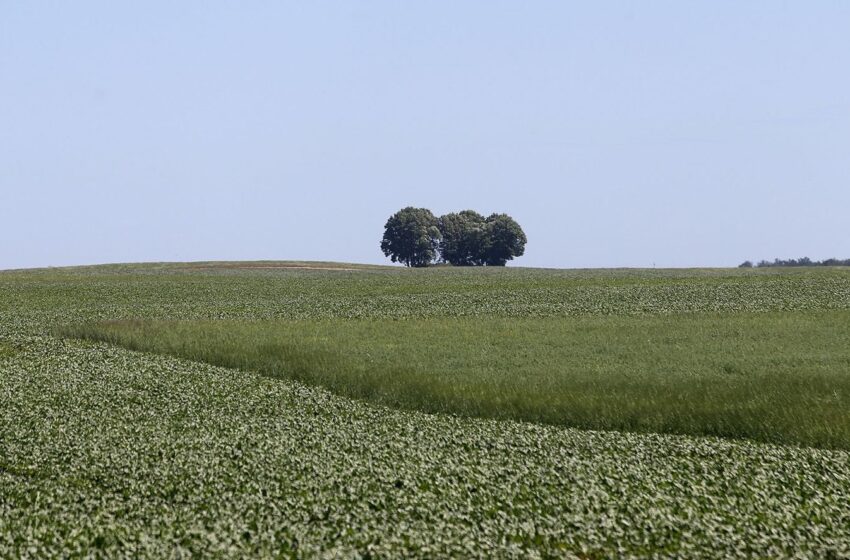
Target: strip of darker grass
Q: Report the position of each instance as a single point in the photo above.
(779, 377)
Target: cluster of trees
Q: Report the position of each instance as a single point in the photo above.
(415, 237)
(805, 261)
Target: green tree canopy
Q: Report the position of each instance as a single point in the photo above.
(505, 240)
(411, 236)
(464, 238)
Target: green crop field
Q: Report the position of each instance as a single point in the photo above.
(319, 409)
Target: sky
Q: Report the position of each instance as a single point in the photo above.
(618, 134)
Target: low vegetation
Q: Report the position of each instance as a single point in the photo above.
(775, 377)
(7, 351)
(108, 452)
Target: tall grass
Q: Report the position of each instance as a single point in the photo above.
(773, 377)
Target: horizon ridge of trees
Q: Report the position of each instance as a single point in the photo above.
(803, 261)
(416, 238)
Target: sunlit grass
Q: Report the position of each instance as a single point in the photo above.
(107, 452)
(774, 377)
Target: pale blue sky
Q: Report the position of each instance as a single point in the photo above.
(679, 133)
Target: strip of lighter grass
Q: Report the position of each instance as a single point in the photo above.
(779, 377)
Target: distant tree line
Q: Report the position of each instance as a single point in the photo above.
(415, 237)
(804, 261)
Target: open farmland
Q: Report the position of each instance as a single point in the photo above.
(108, 450)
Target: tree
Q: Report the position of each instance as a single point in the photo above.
(411, 236)
(505, 240)
(464, 237)
(746, 264)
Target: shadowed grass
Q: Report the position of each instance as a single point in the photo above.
(7, 351)
(776, 377)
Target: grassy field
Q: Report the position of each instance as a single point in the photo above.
(109, 451)
(781, 377)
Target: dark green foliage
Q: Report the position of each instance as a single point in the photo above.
(465, 238)
(505, 240)
(470, 239)
(803, 261)
(411, 236)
